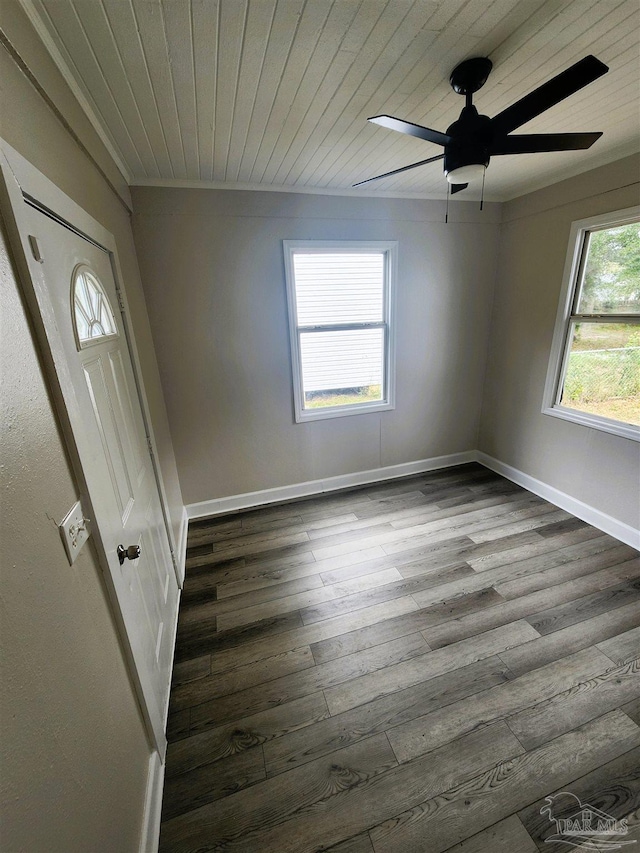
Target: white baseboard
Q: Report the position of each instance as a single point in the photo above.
(217, 506)
(152, 805)
(618, 529)
(329, 484)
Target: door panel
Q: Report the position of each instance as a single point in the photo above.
(109, 432)
(132, 434)
(108, 429)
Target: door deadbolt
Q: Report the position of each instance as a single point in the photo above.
(130, 553)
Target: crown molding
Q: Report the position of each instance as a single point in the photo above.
(60, 63)
(280, 188)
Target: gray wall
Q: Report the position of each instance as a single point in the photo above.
(74, 753)
(600, 469)
(28, 125)
(213, 273)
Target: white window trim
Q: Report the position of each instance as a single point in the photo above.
(390, 248)
(559, 348)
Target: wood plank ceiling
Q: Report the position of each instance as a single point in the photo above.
(276, 93)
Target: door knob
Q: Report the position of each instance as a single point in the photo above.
(130, 553)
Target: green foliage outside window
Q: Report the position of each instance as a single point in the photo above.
(603, 369)
(611, 281)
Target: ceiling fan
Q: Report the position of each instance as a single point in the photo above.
(473, 139)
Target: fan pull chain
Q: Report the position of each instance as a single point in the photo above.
(484, 175)
(446, 213)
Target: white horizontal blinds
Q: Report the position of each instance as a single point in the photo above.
(340, 307)
(339, 288)
(346, 359)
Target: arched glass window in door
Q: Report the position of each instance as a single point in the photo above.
(92, 314)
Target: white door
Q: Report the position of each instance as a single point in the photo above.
(110, 437)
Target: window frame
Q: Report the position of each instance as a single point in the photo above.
(390, 250)
(566, 316)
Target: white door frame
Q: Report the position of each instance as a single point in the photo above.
(19, 177)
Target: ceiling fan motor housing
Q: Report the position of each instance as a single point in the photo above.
(471, 137)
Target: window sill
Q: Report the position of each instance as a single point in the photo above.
(618, 428)
(341, 412)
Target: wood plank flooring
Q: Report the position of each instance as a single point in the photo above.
(411, 666)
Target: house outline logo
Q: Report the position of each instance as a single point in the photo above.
(584, 825)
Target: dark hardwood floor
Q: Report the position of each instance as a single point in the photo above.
(410, 666)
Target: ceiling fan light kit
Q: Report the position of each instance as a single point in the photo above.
(466, 174)
(471, 141)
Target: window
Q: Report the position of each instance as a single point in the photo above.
(340, 298)
(594, 373)
(92, 314)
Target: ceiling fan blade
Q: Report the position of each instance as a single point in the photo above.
(457, 188)
(412, 129)
(550, 93)
(402, 169)
(531, 143)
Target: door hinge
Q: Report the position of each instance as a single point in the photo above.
(150, 447)
(120, 300)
